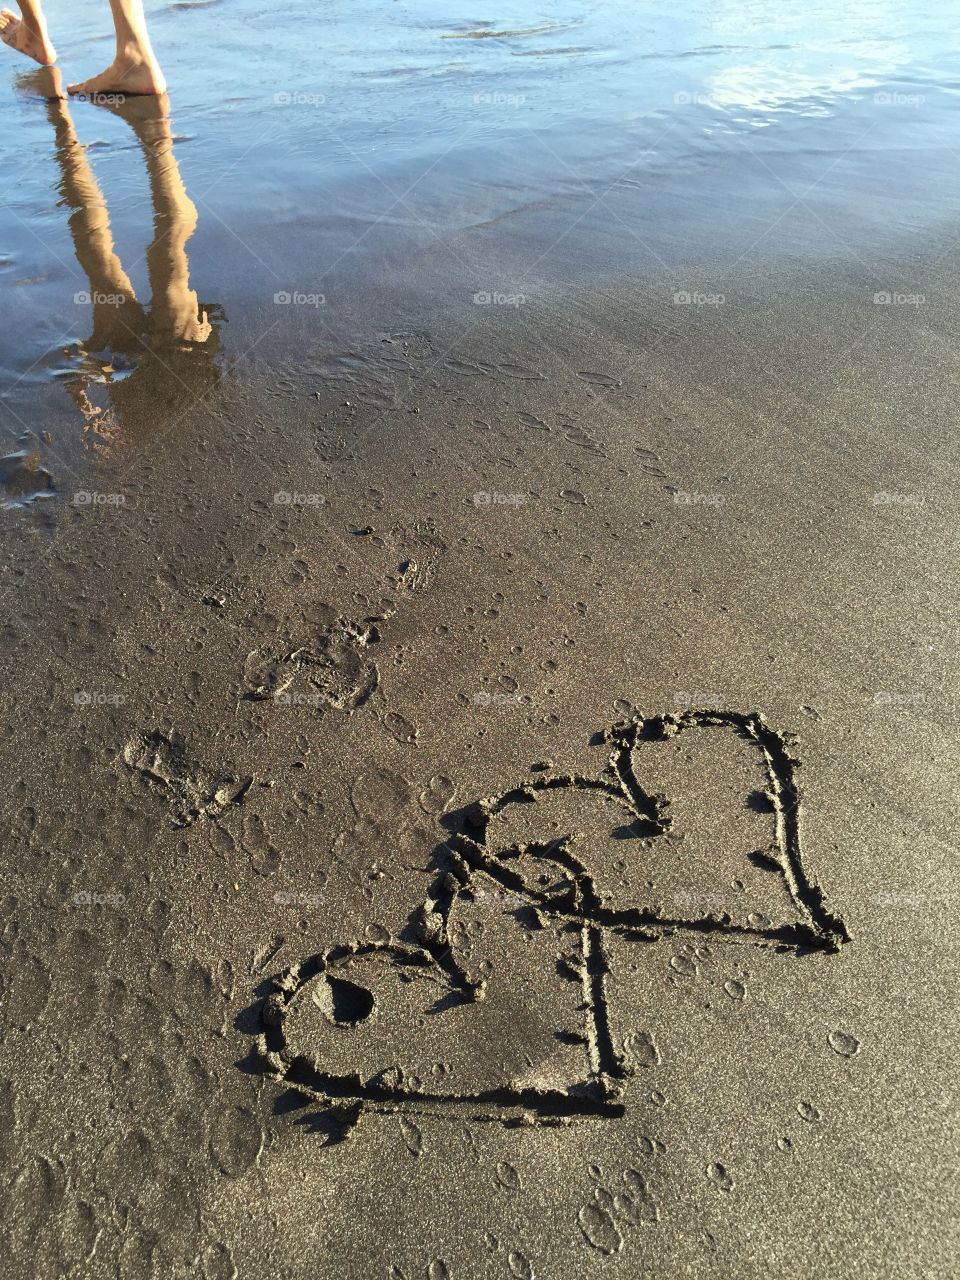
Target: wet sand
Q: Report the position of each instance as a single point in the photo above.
(479, 773)
(537, 559)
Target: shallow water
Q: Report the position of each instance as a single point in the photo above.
(365, 166)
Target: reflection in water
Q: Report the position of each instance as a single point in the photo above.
(141, 366)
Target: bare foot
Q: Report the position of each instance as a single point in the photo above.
(147, 115)
(129, 74)
(26, 40)
(42, 82)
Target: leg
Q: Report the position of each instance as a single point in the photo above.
(118, 317)
(175, 315)
(89, 225)
(28, 36)
(135, 68)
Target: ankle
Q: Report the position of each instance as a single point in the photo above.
(130, 53)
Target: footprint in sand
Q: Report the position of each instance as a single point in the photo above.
(498, 1004)
(332, 667)
(194, 792)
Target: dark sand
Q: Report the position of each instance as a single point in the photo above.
(788, 1112)
(692, 1013)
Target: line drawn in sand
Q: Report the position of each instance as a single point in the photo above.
(498, 1005)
